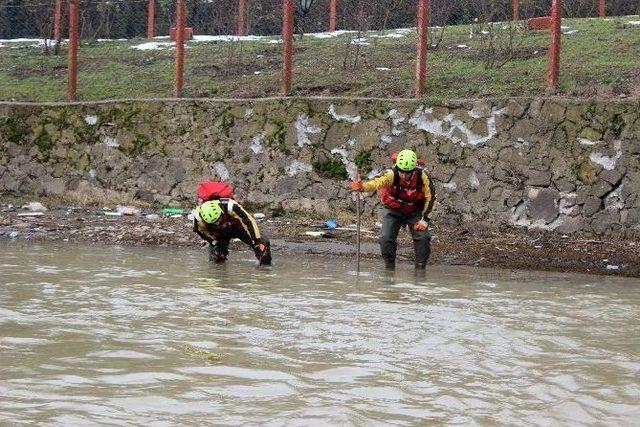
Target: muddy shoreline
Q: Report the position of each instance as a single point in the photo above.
(460, 245)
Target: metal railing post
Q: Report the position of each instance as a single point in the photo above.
(179, 64)
(151, 19)
(423, 36)
(287, 45)
(74, 42)
(554, 52)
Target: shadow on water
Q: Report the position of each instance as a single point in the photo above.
(113, 335)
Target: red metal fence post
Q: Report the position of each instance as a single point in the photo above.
(333, 15)
(554, 52)
(179, 65)
(421, 65)
(74, 42)
(602, 8)
(151, 19)
(516, 9)
(242, 28)
(287, 38)
(57, 20)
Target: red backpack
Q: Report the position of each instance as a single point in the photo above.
(214, 190)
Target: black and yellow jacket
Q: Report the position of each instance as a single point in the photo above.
(234, 216)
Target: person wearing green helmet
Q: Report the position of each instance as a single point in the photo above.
(408, 195)
(219, 221)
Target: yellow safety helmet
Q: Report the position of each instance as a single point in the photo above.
(210, 212)
(407, 161)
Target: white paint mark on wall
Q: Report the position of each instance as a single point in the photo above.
(91, 120)
(473, 180)
(585, 141)
(303, 128)
(451, 186)
(614, 201)
(396, 121)
(256, 143)
(343, 117)
(607, 162)
(423, 119)
(221, 171)
(349, 165)
(386, 139)
(296, 167)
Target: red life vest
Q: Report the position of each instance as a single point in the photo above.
(405, 196)
(224, 228)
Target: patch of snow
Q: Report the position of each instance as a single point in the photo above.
(343, 117)
(303, 128)
(257, 72)
(91, 120)
(383, 69)
(111, 40)
(634, 23)
(248, 113)
(92, 173)
(109, 141)
(463, 46)
(228, 38)
(278, 41)
(329, 34)
(521, 143)
(386, 139)
(154, 46)
(256, 143)
(608, 162)
(349, 165)
(361, 42)
(351, 143)
(613, 267)
(221, 171)
(374, 173)
(296, 167)
(388, 36)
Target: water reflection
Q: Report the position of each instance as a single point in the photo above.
(133, 336)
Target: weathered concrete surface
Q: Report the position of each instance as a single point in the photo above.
(552, 164)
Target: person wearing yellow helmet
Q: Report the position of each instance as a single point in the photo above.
(219, 221)
(408, 195)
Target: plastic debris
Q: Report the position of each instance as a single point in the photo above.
(314, 233)
(330, 224)
(36, 207)
(173, 211)
(30, 214)
(111, 213)
(151, 217)
(13, 234)
(128, 210)
(259, 216)
(613, 267)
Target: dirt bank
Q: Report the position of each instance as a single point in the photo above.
(462, 245)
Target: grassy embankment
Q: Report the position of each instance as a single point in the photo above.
(602, 57)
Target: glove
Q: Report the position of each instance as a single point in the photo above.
(263, 253)
(421, 225)
(357, 186)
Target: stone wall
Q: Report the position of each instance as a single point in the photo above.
(556, 164)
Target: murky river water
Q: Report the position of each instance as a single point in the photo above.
(156, 337)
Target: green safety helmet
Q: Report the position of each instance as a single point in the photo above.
(210, 212)
(407, 161)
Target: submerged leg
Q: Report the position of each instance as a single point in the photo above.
(421, 246)
(391, 223)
